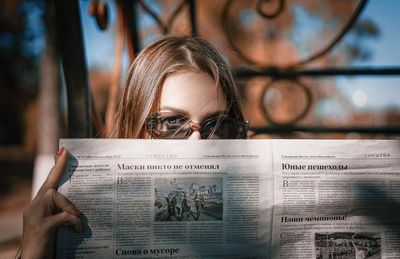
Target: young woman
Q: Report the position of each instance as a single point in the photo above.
(179, 88)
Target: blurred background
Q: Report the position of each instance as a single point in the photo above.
(325, 69)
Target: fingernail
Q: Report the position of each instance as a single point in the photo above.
(60, 152)
(77, 212)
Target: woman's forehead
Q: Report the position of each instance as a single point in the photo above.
(193, 93)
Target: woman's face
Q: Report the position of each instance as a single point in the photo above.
(193, 94)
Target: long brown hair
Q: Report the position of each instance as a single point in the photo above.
(153, 65)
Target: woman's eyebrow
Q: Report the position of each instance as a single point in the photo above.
(175, 110)
(186, 114)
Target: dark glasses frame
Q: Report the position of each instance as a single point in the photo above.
(242, 126)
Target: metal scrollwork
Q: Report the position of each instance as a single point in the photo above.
(274, 13)
(165, 27)
(100, 12)
(274, 10)
(305, 89)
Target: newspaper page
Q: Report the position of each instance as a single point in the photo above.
(168, 199)
(336, 199)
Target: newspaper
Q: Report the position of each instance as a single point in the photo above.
(232, 199)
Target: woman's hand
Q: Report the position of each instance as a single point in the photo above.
(47, 211)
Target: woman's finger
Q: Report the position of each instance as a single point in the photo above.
(58, 169)
(56, 172)
(64, 204)
(64, 218)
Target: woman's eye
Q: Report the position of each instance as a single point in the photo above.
(173, 120)
(211, 122)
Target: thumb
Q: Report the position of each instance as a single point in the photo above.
(56, 172)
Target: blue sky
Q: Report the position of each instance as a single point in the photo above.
(377, 92)
(382, 92)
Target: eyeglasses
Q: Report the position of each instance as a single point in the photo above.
(170, 125)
